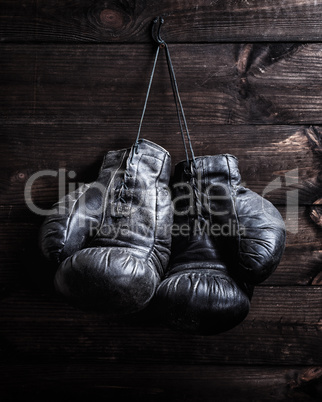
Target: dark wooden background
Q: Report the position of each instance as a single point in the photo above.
(73, 81)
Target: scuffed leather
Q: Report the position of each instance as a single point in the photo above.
(212, 273)
(112, 242)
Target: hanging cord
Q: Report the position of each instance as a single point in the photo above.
(157, 37)
(178, 112)
(162, 44)
(177, 101)
(146, 102)
(191, 167)
(179, 108)
(123, 185)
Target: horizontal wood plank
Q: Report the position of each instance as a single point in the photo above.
(158, 382)
(186, 21)
(277, 162)
(270, 304)
(219, 84)
(283, 327)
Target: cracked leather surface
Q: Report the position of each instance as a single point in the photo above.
(111, 238)
(231, 239)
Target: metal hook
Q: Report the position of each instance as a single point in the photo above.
(156, 31)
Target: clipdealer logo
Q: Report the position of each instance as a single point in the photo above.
(288, 184)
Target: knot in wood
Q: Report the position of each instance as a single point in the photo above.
(111, 19)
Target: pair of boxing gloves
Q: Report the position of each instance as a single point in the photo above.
(196, 250)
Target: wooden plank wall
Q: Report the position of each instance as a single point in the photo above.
(73, 81)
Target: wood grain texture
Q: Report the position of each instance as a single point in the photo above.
(283, 328)
(270, 304)
(219, 84)
(277, 162)
(186, 21)
(72, 87)
(152, 382)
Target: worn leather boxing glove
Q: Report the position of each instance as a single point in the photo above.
(226, 239)
(112, 238)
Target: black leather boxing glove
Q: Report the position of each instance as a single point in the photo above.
(225, 240)
(111, 238)
(254, 229)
